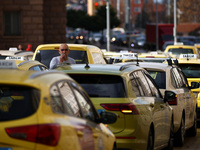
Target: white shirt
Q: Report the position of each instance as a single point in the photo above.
(56, 60)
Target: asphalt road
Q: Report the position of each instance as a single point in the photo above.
(191, 143)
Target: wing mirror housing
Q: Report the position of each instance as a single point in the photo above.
(170, 97)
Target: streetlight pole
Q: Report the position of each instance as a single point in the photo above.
(157, 42)
(108, 25)
(175, 38)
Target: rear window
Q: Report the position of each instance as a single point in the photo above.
(190, 70)
(45, 56)
(159, 77)
(17, 102)
(178, 51)
(101, 85)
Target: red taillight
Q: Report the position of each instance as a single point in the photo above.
(172, 101)
(124, 108)
(47, 134)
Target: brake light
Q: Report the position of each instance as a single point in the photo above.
(172, 101)
(124, 108)
(47, 134)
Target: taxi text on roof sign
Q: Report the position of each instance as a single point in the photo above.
(5, 64)
(188, 56)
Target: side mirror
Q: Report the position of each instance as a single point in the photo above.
(194, 85)
(170, 97)
(108, 117)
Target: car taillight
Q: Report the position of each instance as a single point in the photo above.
(47, 134)
(124, 108)
(172, 101)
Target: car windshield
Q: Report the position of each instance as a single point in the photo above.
(159, 77)
(45, 56)
(17, 102)
(191, 70)
(101, 85)
(178, 51)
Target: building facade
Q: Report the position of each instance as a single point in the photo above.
(32, 22)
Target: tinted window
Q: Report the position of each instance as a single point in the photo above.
(17, 102)
(159, 77)
(101, 85)
(190, 70)
(178, 51)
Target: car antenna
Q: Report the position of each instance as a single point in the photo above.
(87, 66)
(136, 55)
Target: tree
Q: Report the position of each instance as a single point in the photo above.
(142, 19)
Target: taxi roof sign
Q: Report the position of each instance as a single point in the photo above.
(7, 64)
(13, 49)
(188, 56)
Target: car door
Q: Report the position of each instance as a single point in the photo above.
(184, 97)
(71, 106)
(90, 114)
(189, 97)
(156, 104)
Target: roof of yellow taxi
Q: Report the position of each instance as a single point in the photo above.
(98, 68)
(178, 46)
(154, 65)
(85, 47)
(30, 78)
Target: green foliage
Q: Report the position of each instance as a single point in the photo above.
(142, 20)
(80, 19)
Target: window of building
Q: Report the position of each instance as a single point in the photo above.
(137, 9)
(12, 25)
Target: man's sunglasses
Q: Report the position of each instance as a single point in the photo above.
(64, 50)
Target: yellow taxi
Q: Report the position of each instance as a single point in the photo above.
(170, 77)
(190, 66)
(144, 118)
(79, 52)
(16, 54)
(49, 110)
(179, 49)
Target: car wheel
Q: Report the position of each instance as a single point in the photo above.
(171, 138)
(193, 130)
(180, 136)
(150, 145)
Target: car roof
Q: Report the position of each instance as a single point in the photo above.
(35, 79)
(154, 65)
(71, 46)
(112, 69)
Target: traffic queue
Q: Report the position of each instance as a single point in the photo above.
(136, 102)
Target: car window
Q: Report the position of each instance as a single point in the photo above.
(159, 77)
(178, 80)
(136, 86)
(98, 58)
(178, 51)
(69, 100)
(190, 70)
(142, 83)
(101, 85)
(17, 102)
(87, 110)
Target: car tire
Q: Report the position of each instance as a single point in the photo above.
(193, 130)
(150, 145)
(180, 135)
(171, 138)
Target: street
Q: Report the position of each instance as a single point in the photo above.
(191, 143)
